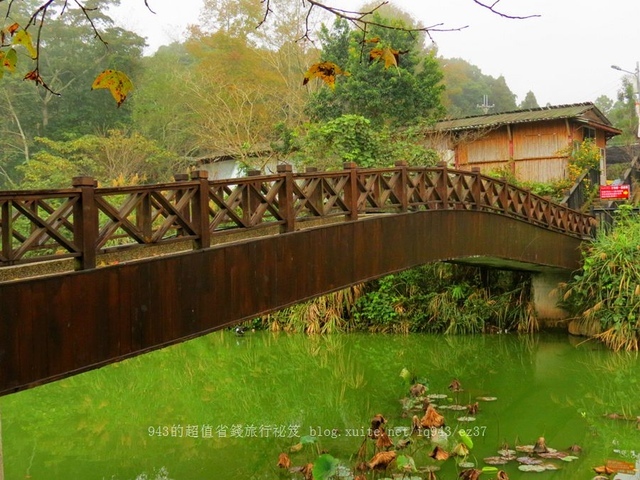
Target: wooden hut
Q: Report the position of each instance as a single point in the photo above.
(531, 144)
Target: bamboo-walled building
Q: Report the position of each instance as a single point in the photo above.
(531, 144)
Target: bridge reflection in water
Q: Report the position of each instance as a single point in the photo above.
(241, 248)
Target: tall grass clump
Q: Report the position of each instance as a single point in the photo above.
(325, 314)
(447, 298)
(435, 298)
(605, 295)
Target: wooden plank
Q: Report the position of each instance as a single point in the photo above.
(56, 326)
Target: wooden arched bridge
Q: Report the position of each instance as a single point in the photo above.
(92, 275)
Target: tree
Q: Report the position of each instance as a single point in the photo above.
(353, 138)
(466, 87)
(40, 12)
(604, 104)
(391, 80)
(623, 115)
(68, 107)
(529, 101)
(164, 76)
(117, 158)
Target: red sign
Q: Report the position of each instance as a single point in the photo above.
(614, 192)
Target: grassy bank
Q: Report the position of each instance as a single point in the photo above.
(434, 298)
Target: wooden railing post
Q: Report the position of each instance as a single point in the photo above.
(476, 188)
(143, 217)
(442, 187)
(200, 209)
(400, 188)
(85, 223)
(6, 229)
(504, 198)
(285, 199)
(315, 196)
(249, 199)
(185, 211)
(351, 190)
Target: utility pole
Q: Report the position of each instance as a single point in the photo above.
(485, 104)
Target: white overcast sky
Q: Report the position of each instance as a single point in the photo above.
(564, 56)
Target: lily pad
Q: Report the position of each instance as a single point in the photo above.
(466, 465)
(554, 454)
(436, 396)
(487, 399)
(505, 452)
(466, 419)
(429, 468)
(569, 458)
(524, 448)
(458, 407)
(498, 460)
(531, 468)
(529, 461)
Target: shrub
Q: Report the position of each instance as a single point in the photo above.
(605, 294)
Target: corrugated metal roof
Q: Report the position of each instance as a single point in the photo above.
(522, 116)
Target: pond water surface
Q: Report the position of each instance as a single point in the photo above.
(224, 407)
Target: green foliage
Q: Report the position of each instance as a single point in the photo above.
(585, 156)
(529, 101)
(606, 292)
(325, 467)
(353, 138)
(466, 86)
(349, 138)
(378, 307)
(436, 298)
(117, 158)
(623, 115)
(397, 95)
(582, 156)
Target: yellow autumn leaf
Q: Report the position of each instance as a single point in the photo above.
(389, 55)
(117, 82)
(9, 60)
(325, 71)
(22, 37)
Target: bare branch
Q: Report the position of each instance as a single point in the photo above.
(267, 11)
(492, 9)
(86, 11)
(146, 4)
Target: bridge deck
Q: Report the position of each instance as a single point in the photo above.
(58, 325)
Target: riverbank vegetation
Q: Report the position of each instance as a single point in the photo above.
(433, 298)
(604, 297)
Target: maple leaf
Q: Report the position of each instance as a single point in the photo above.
(326, 71)
(117, 82)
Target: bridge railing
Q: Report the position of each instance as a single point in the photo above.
(85, 221)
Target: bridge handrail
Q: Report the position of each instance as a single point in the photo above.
(85, 221)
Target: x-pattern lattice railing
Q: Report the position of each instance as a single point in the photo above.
(84, 221)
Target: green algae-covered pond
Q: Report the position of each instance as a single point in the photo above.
(225, 407)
